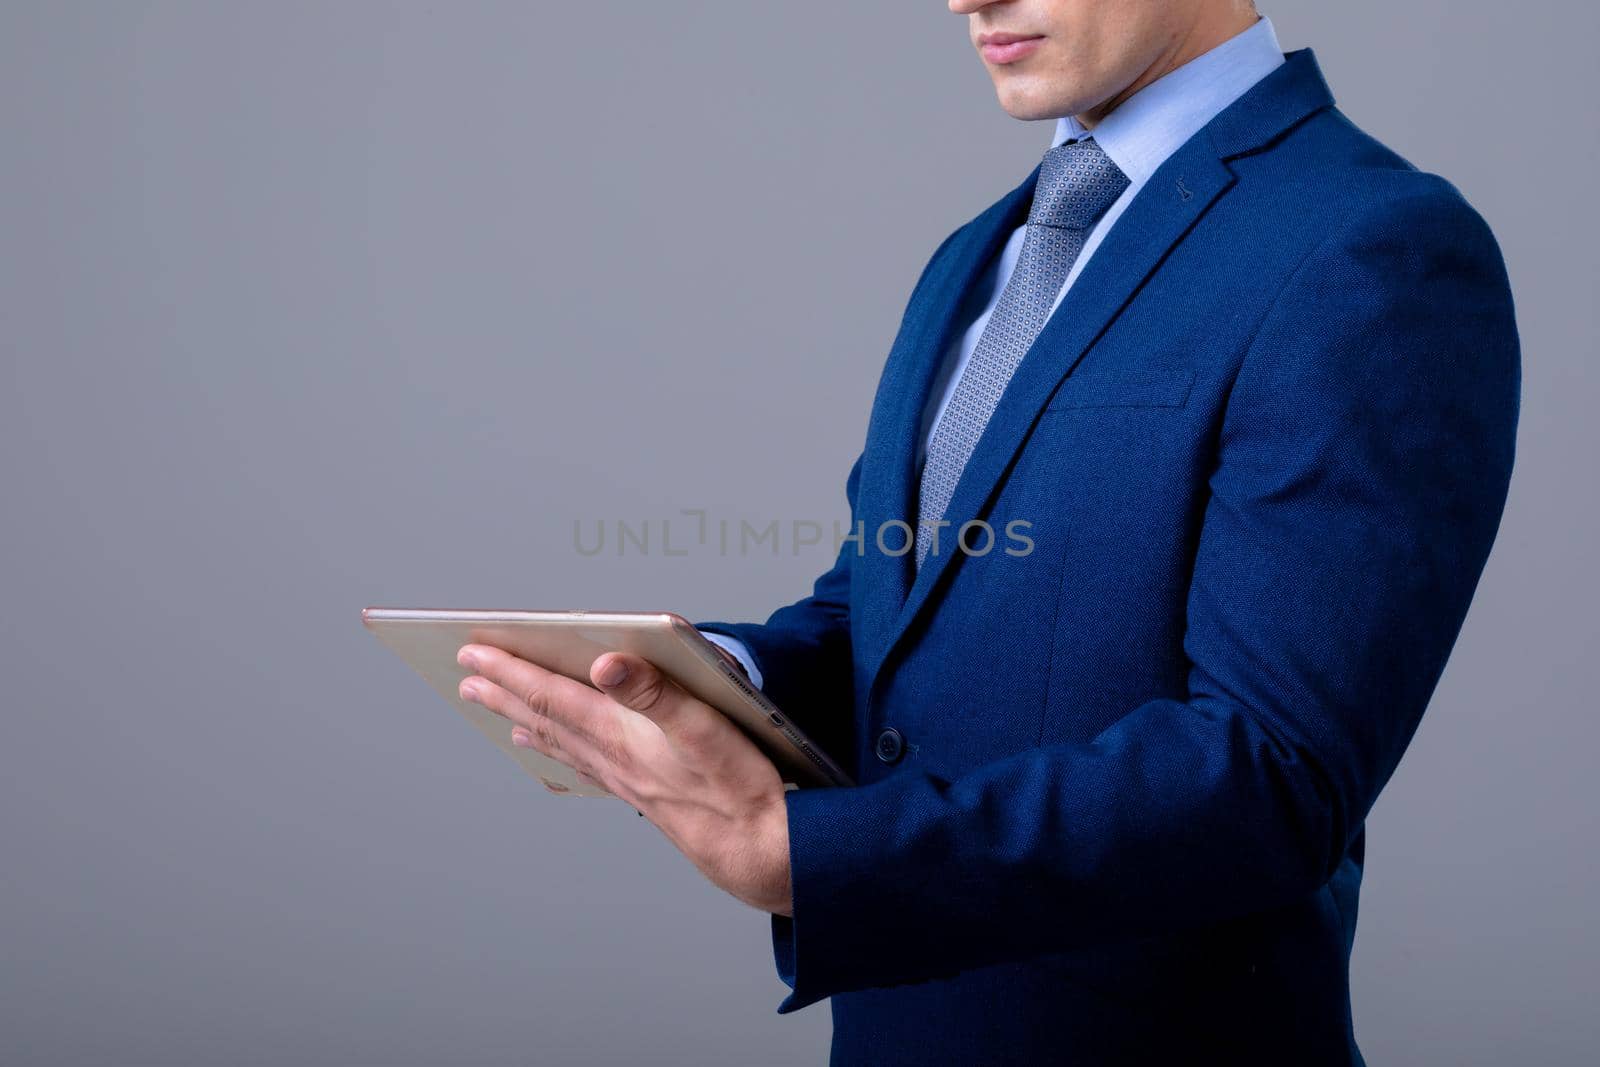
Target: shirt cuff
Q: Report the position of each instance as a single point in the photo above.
(740, 652)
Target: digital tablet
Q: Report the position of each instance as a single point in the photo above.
(568, 642)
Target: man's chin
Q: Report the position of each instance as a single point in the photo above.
(1029, 103)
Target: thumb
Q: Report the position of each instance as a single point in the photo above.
(631, 681)
(635, 683)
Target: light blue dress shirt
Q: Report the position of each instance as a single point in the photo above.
(1138, 136)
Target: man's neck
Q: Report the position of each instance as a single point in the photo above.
(1221, 24)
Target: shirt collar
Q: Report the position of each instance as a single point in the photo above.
(1155, 122)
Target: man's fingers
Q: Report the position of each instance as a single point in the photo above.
(595, 727)
(545, 693)
(550, 737)
(635, 683)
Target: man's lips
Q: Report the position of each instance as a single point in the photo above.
(1003, 48)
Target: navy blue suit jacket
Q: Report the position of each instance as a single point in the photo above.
(1264, 447)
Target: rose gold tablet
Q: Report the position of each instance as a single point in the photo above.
(568, 642)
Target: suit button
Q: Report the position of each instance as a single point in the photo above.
(890, 745)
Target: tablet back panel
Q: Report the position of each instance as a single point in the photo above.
(569, 642)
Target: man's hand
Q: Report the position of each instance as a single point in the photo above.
(687, 769)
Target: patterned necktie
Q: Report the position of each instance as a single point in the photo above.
(1077, 183)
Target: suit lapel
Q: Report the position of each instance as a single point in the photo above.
(1163, 212)
(1156, 220)
(885, 492)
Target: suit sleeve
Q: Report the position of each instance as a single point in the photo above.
(1361, 472)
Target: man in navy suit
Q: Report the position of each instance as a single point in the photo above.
(1183, 469)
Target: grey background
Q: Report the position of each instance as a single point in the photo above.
(305, 306)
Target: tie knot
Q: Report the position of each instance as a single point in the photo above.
(1077, 182)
